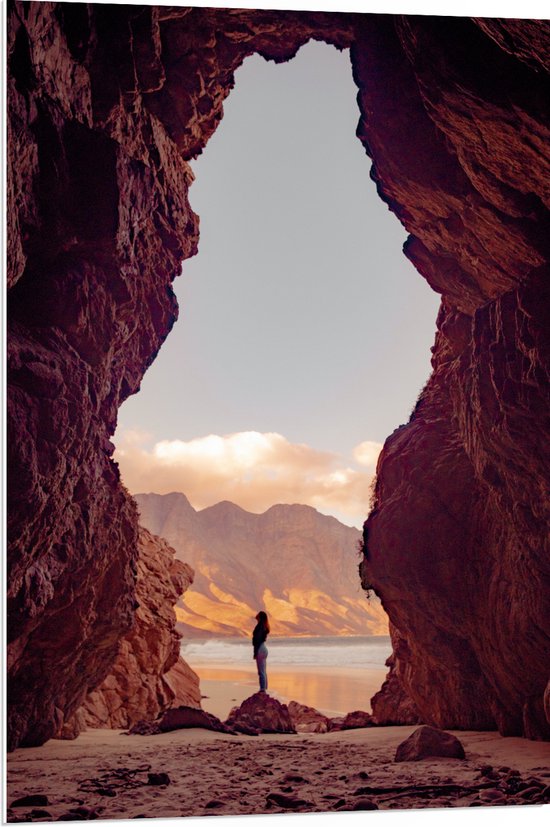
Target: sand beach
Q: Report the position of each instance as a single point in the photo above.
(105, 774)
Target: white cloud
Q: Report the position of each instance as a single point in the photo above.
(366, 453)
(254, 470)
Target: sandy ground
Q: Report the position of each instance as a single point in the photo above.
(210, 774)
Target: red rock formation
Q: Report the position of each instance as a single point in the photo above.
(148, 675)
(456, 545)
(106, 104)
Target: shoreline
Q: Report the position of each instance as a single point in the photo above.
(334, 691)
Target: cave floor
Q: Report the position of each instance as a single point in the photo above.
(106, 774)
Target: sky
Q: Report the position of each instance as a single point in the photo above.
(304, 333)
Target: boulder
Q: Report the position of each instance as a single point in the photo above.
(262, 713)
(307, 719)
(428, 742)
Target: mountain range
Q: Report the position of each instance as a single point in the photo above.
(298, 565)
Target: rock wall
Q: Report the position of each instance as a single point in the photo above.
(106, 106)
(456, 545)
(106, 103)
(148, 675)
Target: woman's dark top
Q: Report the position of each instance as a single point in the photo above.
(259, 636)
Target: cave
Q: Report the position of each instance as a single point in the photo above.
(107, 106)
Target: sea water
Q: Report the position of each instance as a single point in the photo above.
(335, 675)
(358, 652)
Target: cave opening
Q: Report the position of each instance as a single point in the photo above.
(454, 113)
(303, 341)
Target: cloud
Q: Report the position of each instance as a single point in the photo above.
(255, 470)
(366, 453)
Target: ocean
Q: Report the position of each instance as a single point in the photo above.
(347, 652)
(335, 675)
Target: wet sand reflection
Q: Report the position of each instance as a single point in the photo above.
(335, 691)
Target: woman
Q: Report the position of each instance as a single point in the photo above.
(259, 636)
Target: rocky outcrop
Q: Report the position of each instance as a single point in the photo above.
(180, 717)
(106, 106)
(260, 713)
(221, 543)
(391, 705)
(456, 546)
(148, 675)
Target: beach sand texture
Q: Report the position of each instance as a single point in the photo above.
(107, 772)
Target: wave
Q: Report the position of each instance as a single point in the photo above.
(348, 652)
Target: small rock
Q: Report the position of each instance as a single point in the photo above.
(158, 779)
(214, 804)
(353, 720)
(287, 802)
(364, 804)
(492, 796)
(87, 813)
(40, 814)
(106, 791)
(292, 777)
(530, 792)
(504, 769)
(36, 800)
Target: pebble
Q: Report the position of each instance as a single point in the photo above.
(360, 804)
(290, 777)
(287, 801)
(492, 796)
(365, 804)
(530, 792)
(158, 779)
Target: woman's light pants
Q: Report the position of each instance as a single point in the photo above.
(261, 663)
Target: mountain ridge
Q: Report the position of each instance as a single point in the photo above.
(297, 564)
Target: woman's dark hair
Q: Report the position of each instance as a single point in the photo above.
(261, 617)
